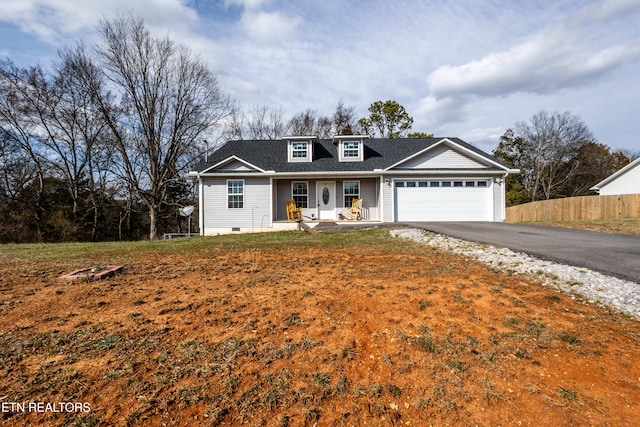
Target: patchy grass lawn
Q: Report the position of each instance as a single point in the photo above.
(292, 329)
(621, 226)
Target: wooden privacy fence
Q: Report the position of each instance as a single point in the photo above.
(583, 208)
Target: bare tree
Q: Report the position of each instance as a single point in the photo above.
(543, 149)
(630, 153)
(22, 128)
(266, 122)
(324, 127)
(260, 122)
(344, 119)
(309, 122)
(16, 169)
(80, 133)
(158, 100)
(304, 123)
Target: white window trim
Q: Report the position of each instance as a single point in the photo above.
(292, 195)
(342, 150)
(235, 194)
(344, 195)
(309, 151)
(299, 147)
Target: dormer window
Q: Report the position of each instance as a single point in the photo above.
(350, 147)
(300, 148)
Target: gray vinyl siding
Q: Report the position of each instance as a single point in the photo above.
(369, 195)
(283, 192)
(234, 166)
(256, 210)
(387, 200)
(441, 157)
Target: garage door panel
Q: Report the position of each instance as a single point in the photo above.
(443, 204)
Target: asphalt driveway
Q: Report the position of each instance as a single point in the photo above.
(611, 254)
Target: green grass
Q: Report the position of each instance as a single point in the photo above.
(117, 252)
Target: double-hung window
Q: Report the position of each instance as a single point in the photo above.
(351, 191)
(299, 150)
(300, 193)
(235, 193)
(351, 149)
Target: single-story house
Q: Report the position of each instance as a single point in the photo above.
(625, 181)
(244, 185)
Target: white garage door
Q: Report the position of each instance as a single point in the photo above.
(444, 200)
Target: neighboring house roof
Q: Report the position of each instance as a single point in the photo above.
(616, 175)
(379, 154)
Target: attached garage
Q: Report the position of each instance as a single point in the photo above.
(444, 200)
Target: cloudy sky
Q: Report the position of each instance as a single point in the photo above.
(466, 68)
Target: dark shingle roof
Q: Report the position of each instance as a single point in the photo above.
(378, 154)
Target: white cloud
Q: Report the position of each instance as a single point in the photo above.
(485, 138)
(269, 27)
(572, 56)
(61, 22)
(436, 111)
(55, 20)
(247, 4)
(461, 68)
(609, 9)
(543, 64)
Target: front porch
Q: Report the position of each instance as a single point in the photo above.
(326, 199)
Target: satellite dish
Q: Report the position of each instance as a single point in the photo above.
(186, 211)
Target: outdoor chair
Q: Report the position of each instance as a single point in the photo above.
(293, 213)
(355, 211)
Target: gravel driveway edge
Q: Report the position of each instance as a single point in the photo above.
(578, 282)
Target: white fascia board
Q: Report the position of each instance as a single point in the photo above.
(340, 137)
(300, 138)
(229, 159)
(448, 141)
(615, 175)
(448, 172)
(281, 175)
(333, 174)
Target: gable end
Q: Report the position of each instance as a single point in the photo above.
(444, 154)
(231, 165)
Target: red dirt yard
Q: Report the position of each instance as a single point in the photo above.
(296, 329)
